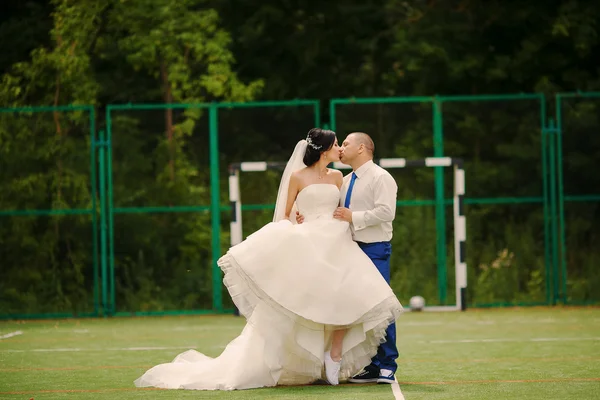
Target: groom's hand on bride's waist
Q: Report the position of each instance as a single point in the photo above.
(299, 217)
(343, 213)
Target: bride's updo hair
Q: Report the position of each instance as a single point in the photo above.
(319, 140)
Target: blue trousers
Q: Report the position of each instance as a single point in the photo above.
(387, 353)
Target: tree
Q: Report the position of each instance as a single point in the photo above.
(182, 44)
(182, 55)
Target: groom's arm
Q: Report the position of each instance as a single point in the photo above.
(385, 194)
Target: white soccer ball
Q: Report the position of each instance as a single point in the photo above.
(417, 303)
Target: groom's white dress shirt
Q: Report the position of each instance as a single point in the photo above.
(372, 202)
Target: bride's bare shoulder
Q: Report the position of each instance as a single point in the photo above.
(338, 177)
(336, 173)
(300, 173)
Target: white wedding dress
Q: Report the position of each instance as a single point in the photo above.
(294, 284)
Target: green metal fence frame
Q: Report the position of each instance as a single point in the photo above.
(517, 200)
(553, 196)
(86, 211)
(316, 104)
(215, 209)
(438, 151)
(562, 196)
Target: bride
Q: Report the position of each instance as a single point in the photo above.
(315, 304)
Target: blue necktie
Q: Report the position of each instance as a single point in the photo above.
(349, 193)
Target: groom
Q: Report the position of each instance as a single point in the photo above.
(368, 196)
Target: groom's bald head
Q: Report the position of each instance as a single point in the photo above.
(357, 149)
(364, 139)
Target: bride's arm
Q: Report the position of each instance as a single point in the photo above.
(292, 194)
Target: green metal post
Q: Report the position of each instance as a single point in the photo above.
(561, 200)
(440, 213)
(553, 210)
(332, 123)
(94, 211)
(547, 215)
(249, 104)
(215, 209)
(317, 111)
(111, 229)
(103, 217)
(492, 97)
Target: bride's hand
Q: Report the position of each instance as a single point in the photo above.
(299, 217)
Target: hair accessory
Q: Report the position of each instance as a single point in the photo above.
(311, 144)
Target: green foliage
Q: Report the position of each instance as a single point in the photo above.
(182, 42)
(413, 262)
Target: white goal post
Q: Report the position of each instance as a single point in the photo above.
(460, 222)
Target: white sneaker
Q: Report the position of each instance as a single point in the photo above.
(386, 376)
(332, 369)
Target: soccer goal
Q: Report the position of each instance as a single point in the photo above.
(460, 222)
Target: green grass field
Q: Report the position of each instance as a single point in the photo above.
(538, 353)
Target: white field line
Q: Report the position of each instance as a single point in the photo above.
(396, 390)
(154, 348)
(76, 349)
(9, 335)
(512, 340)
